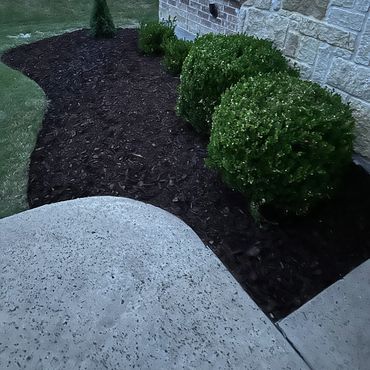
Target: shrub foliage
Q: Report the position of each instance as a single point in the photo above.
(153, 35)
(214, 63)
(101, 22)
(281, 141)
(175, 52)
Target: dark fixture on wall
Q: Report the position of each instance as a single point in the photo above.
(213, 10)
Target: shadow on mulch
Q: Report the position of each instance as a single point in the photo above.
(111, 129)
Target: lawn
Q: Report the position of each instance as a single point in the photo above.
(22, 102)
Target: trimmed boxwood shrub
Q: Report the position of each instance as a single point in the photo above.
(175, 52)
(101, 22)
(214, 63)
(281, 141)
(153, 35)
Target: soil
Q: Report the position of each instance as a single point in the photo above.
(111, 129)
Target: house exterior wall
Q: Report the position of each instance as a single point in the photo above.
(328, 39)
(194, 15)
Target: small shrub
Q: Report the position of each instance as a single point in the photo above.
(175, 52)
(214, 63)
(281, 141)
(101, 22)
(153, 35)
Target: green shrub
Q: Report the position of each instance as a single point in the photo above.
(281, 141)
(101, 22)
(175, 52)
(214, 63)
(153, 35)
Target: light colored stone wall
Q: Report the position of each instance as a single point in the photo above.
(329, 40)
(194, 15)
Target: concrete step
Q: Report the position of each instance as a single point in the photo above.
(183, 34)
(112, 283)
(332, 331)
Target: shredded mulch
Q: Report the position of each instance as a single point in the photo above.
(111, 129)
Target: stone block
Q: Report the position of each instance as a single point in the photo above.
(276, 5)
(329, 34)
(351, 78)
(323, 62)
(266, 25)
(263, 4)
(194, 27)
(362, 5)
(362, 132)
(242, 19)
(307, 49)
(325, 56)
(292, 16)
(304, 69)
(291, 44)
(231, 21)
(195, 4)
(179, 13)
(229, 10)
(343, 3)
(346, 19)
(293, 26)
(341, 53)
(194, 18)
(203, 15)
(182, 6)
(315, 9)
(363, 52)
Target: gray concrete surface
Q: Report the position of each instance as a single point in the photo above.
(111, 283)
(362, 161)
(332, 331)
(183, 34)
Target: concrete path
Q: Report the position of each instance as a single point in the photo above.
(332, 331)
(111, 283)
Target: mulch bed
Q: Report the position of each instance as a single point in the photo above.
(111, 129)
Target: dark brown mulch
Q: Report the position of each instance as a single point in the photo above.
(111, 129)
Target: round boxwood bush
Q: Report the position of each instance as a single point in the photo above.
(175, 52)
(281, 141)
(153, 35)
(214, 63)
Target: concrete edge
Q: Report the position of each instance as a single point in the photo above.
(109, 198)
(183, 34)
(362, 161)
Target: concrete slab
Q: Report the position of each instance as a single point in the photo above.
(362, 161)
(111, 283)
(332, 331)
(183, 34)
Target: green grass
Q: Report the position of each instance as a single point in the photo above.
(22, 101)
(72, 11)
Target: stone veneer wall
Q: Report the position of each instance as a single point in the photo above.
(328, 39)
(194, 15)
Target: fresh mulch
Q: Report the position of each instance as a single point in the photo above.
(111, 129)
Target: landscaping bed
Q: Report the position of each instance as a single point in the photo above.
(111, 129)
